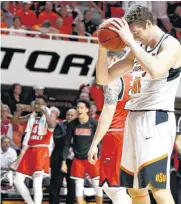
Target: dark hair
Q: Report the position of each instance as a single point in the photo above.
(5, 137)
(44, 97)
(16, 17)
(86, 102)
(139, 14)
(13, 87)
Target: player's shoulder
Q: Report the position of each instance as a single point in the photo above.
(171, 43)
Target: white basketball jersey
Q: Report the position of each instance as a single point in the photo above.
(153, 94)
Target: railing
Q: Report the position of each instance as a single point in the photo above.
(51, 35)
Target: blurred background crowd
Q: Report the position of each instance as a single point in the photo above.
(69, 18)
(78, 18)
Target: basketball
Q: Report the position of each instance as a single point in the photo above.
(108, 38)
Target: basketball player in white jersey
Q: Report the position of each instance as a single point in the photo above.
(150, 125)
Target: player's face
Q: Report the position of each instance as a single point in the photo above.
(38, 103)
(5, 144)
(93, 109)
(140, 33)
(82, 110)
(71, 115)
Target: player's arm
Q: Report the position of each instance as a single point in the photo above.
(67, 145)
(17, 118)
(50, 118)
(158, 66)
(105, 74)
(111, 93)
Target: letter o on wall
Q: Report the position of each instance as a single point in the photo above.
(50, 67)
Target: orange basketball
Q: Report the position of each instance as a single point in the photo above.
(108, 38)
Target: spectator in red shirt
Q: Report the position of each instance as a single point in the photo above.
(48, 14)
(14, 6)
(27, 16)
(60, 25)
(68, 20)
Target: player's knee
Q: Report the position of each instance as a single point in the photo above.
(79, 187)
(138, 193)
(161, 195)
(17, 179)
(98, 189)
(115, 193)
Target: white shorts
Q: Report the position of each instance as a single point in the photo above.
(147, 147)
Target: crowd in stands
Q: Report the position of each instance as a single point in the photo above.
(62, 17)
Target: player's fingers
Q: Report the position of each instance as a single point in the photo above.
(95, 158)
(125, 22)
(91, 159)
(116, 25)
(114, 29)
(120, 22)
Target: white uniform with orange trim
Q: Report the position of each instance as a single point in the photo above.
(150, 127)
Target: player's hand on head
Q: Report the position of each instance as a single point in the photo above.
(92, 154)
(122, 28)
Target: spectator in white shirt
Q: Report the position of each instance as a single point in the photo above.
(17, 26)
(7, 157)
(8, 154)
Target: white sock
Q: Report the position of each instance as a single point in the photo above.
(117, 195)
(37, 188)
(21, 187)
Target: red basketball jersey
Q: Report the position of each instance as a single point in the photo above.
(120, 114)
(36, 139)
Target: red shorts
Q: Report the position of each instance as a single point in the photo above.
(81, 167)
(110, 159)
(35, 159)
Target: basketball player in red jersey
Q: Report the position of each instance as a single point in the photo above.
(111, 128)
(36, 160)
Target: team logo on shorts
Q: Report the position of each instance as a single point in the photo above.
(161, 178)
(107, 159)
